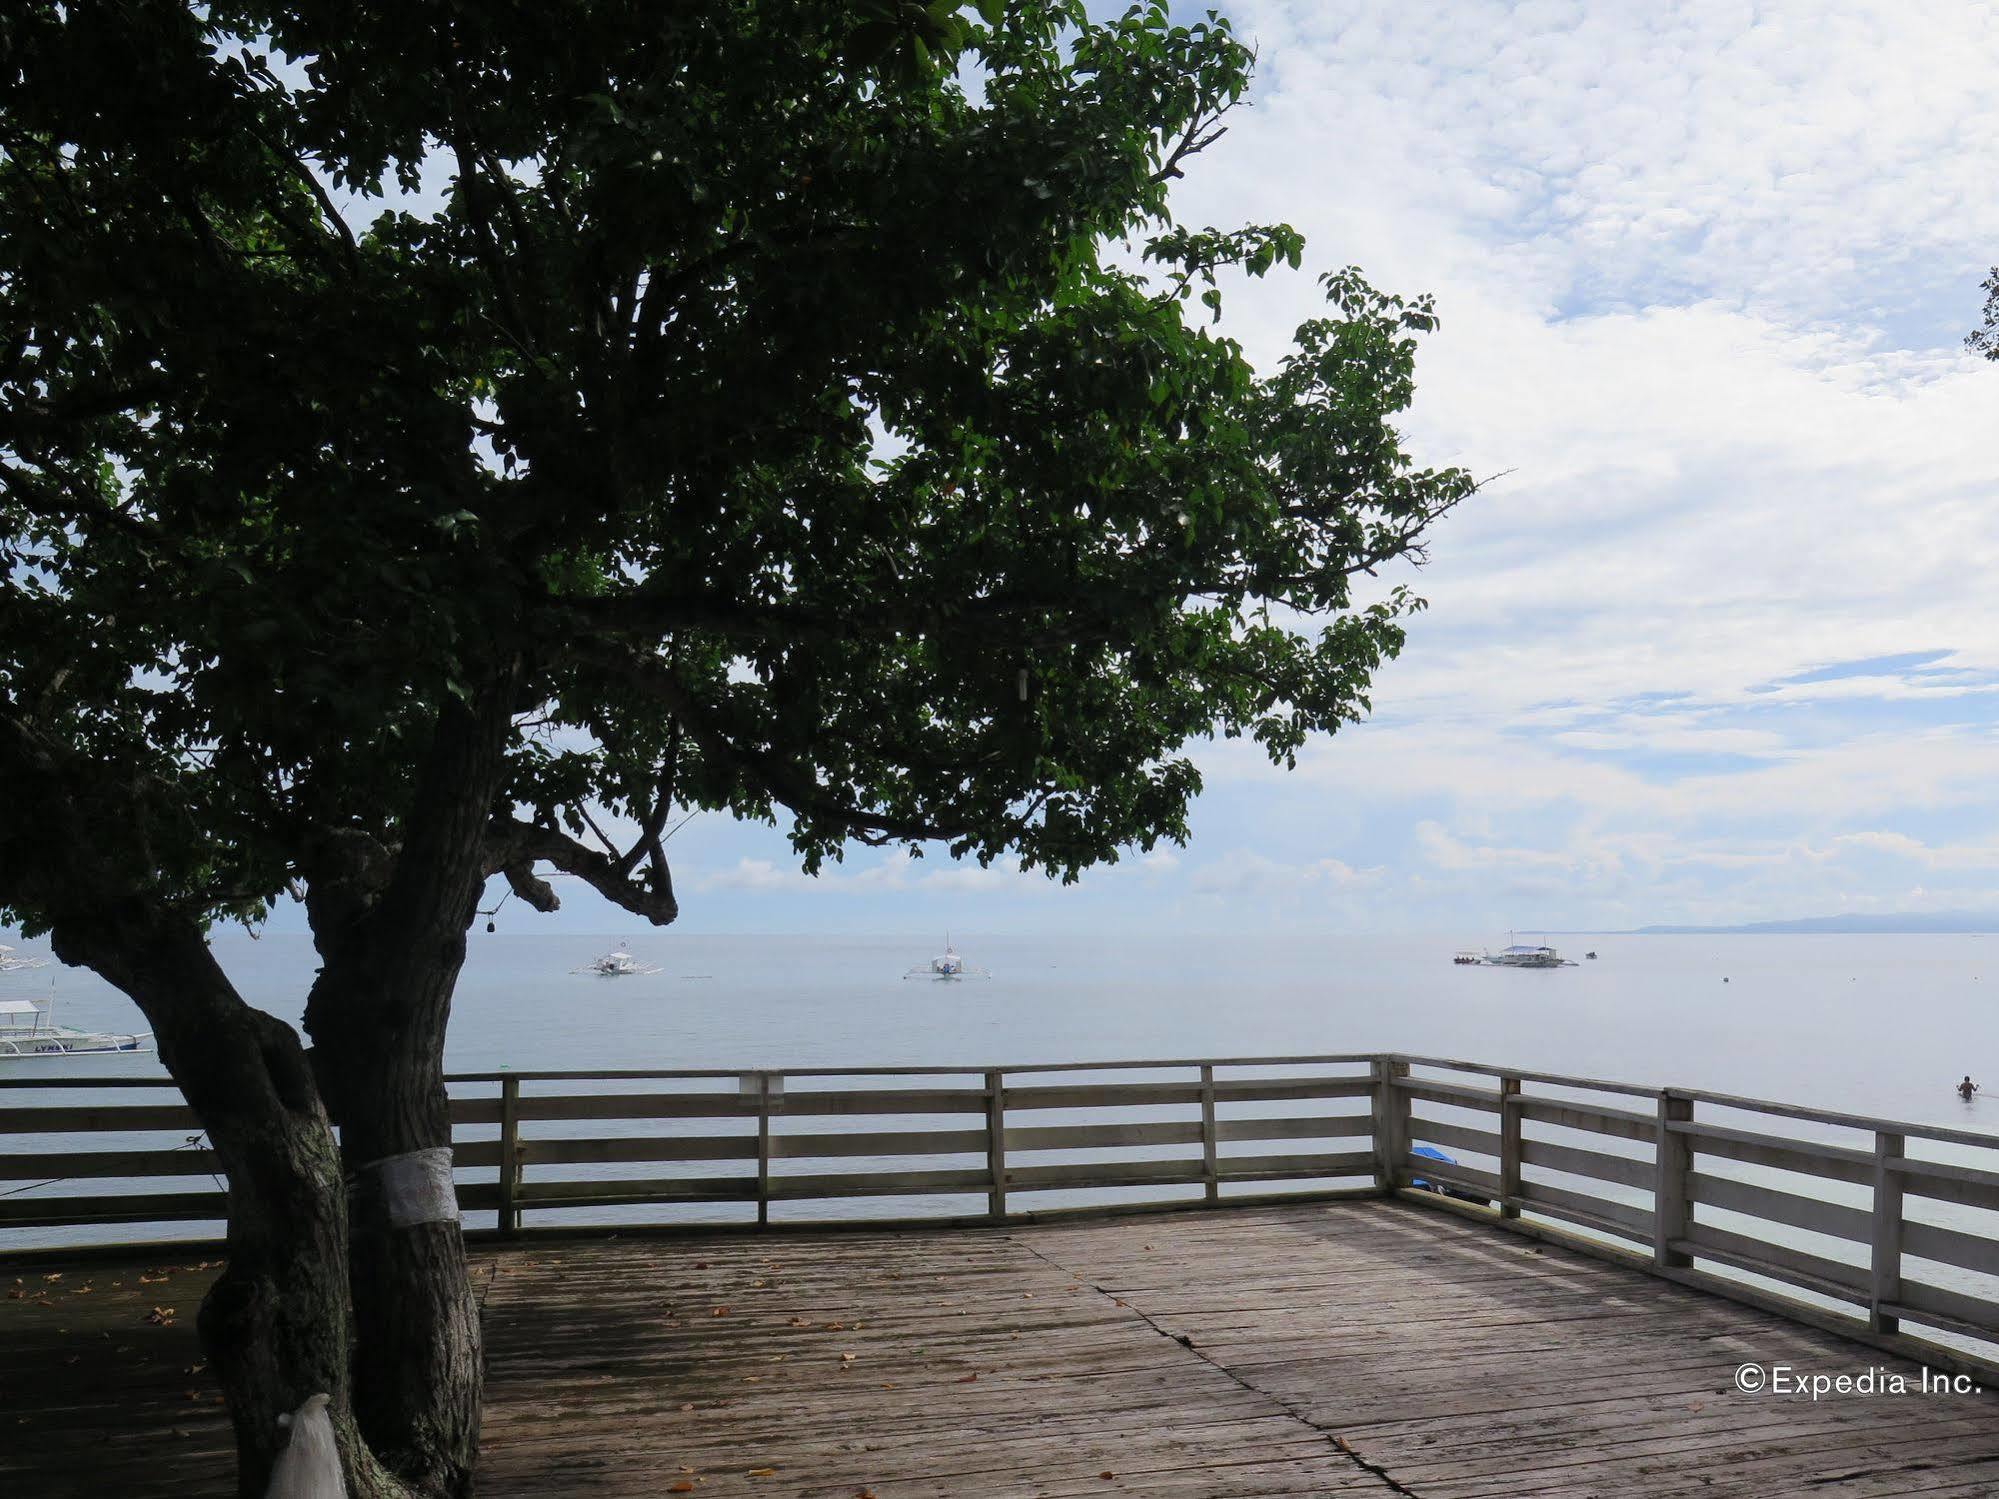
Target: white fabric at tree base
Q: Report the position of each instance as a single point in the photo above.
(309, 1467)
(414, 1188)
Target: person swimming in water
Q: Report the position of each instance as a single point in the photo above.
(1966, 1088)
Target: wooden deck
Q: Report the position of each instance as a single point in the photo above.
(1367, 1348)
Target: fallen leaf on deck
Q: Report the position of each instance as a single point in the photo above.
(761, 1473)
(53, 1276)
(684, 1486)
(1107, 1473)
(968, 1379)
(720, 1311)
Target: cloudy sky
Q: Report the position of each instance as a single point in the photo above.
(1722, 645)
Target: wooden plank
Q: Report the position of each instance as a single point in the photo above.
(624, 1192)
(1833, 1161)
(1864, 1122)
(1592, 1163)
(996, 1144)
(1104, 1174)
(1623, 1123)
(1457, 1095)
(102, 1163)
(1965, 1310)
(509, 1162)
(1510, 1152)
(131, 1207)
(1885, 1275)
(733, 1105)
(1593, 1212)
(1102, 1095)
(1208, 1168)
(1946, 1182)
(1270, 1167)
(1757, 1201)
(879, 1184)
(1672, 1181)
(1780, 1262)
(1324, 1127)
(1950, 1246)
(1463, 1137)
(894, 1142)
(95, 1118)
(565, 1151)
(1251, 1089)
(1104, 1136)
(1390, 1107)
(763, 1147)
(1557, 1079)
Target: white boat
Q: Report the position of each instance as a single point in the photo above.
(1525, 955)
(947, 965)
(9, 963)
(28, 1030)
(617, 963)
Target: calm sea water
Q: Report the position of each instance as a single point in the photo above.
(1873, 1025)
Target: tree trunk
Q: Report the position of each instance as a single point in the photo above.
(377, 1017)
(417, 1364)
(276, 1326)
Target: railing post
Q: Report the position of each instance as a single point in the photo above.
(1509, 1147)
(1391, 1123)
(996, 1143)
(1673, 1164)
(1885, 1283)
(1211, 1178)
(763, 1149)
(510, 1156)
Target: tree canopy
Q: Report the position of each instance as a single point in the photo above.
(766, 401)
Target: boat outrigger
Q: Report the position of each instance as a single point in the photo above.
(28, 1030)
(617, 963)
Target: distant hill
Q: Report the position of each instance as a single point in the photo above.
(1911, 922)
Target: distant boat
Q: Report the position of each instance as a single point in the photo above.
(28, 1030)
(1524, 955)
(617, 963)
(1467, 959)
(1589, 955)
(947, 965)
(11, 964)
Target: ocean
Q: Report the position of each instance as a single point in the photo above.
(1880, 1025)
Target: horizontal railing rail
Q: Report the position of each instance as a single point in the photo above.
(1860, 1223)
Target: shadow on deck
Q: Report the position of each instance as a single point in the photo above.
(1348, 1348)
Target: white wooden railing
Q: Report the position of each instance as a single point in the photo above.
(1858, 1223)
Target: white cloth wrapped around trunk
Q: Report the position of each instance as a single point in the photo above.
(309, 1467)
(401, 1191)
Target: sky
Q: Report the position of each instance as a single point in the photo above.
(1720, 643)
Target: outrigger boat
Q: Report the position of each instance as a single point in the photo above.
(28, 1030)
(947, 965)
(617, 963)
(1522, 955)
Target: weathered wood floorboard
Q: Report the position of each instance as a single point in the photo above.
(1365, 1348)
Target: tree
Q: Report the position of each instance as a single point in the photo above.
(797, 409)
(1984, 339)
